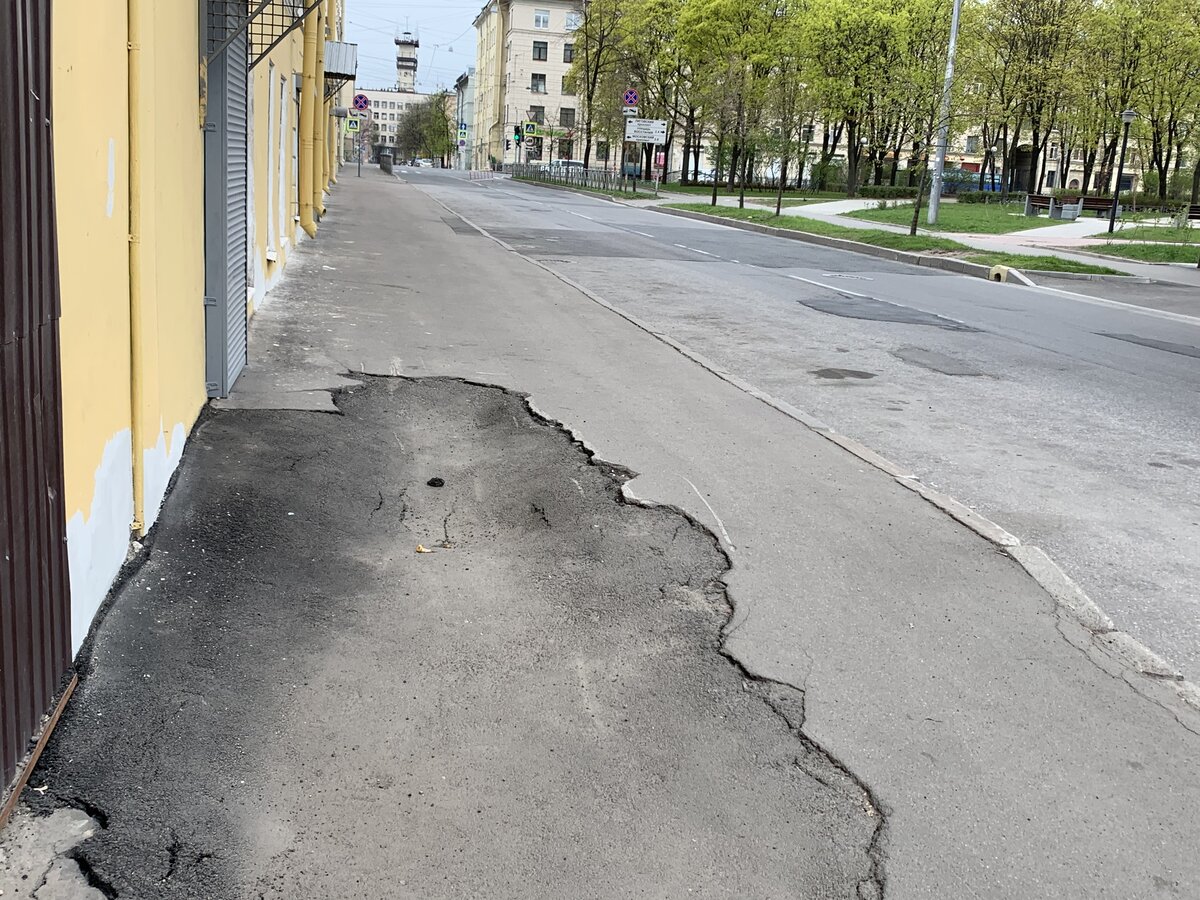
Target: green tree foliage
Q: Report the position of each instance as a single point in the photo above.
(848, 91)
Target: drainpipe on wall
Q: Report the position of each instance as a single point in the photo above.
(141, 252)
(317, 184)
(308, 93)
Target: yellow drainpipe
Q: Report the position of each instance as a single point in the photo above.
(332, 127)
(143, 324)
(317, 185)
(308, 93)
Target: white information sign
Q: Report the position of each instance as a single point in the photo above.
(646, 131)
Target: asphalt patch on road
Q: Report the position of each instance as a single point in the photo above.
(852, 307)
(425, 648)
(1155, 344)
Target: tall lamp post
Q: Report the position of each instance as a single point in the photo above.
(992, 151)
(1127, 117)
(939, 164)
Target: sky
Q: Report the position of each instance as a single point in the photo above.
(444, 28)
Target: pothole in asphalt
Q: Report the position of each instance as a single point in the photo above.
(936, 362)
(842, 374)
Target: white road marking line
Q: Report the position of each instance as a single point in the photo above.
(830, 287)
(642, 233)
(720, 524)
(694, 250)
(581, 215)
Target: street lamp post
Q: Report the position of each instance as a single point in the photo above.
(1127, 118)
(935, 192)
(860, 176)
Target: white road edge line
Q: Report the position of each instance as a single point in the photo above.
(830, 287)
(1117, 645)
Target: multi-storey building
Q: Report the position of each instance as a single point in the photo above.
(464, 114)
(524, 52)
(388, 106)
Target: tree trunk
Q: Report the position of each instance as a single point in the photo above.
(720, 150)
(1196, 183)
(783, 173)
(742, 192)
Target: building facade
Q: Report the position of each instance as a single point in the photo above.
(464, 114)
(524, 50)
(387, 109)
(178, 201)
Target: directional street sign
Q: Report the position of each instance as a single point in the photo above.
(631, 97)
(646, 131)
(362, 101)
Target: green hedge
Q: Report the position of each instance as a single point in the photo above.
(888, 192)
(990, 197)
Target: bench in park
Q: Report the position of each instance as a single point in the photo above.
(1193, 211)
(1067, 209)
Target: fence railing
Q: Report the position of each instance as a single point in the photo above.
(587, 179)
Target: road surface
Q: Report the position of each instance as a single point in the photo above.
(1074, 424)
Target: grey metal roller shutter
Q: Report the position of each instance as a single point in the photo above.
(225, 230)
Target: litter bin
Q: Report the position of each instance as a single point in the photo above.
(385, 162)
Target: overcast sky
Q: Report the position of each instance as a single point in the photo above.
(374, 25)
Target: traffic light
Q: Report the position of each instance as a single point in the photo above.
(517, 133)
(507, 144)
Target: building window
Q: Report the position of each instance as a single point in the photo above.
(602, 151)
(537, 82)
(537, 114)
(1054, 151)
(568, 53)
(1050, 179)
(566, 118)
(574, 20)
(541, 51)
(568, 88)
(972, 144)
(806, 133)
(541, 18)
(565, 148)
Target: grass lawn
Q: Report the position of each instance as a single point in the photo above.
(1169, 234)
(919, 244)
(1183, 253)
(1029, 263)
(968, 218)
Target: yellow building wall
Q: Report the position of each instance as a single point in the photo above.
(110, 358)
(273, 141)
(173, 373)
(91, 158)
(130, 208)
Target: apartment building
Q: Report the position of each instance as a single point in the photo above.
(388, 106)
(524, 50)
(464, 116)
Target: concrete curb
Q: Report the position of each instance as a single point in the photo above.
(946, 264)
(1068, 597)
(1089, 276)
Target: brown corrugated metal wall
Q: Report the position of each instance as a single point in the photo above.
(35, 648)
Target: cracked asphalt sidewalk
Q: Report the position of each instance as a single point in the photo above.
(582, 691)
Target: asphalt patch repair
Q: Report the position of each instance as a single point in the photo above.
(287, 700)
